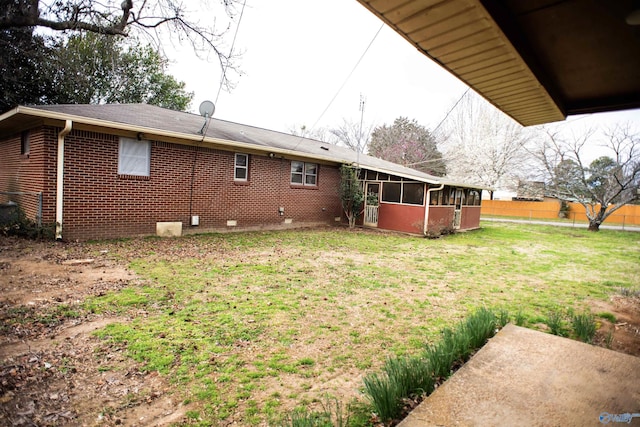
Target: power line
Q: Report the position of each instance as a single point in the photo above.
(349, 76)
(208, 119)
(224, 70)
(436, 128)
(233, 43)
(450, 110)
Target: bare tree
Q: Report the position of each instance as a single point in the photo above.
(602, 186)
(483, 146)
(319, 134)
(119, 18)
(355, 136)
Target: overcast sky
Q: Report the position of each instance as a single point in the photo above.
(298, 53)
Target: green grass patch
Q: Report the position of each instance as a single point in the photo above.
(227, 318)
(608, 316)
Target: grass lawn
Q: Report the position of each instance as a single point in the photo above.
(249, 326)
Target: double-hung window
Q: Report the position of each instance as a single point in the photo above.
(241, 167)
(304, 173)
(134, 157)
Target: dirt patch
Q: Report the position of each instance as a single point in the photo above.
(623, 334)
(52, 370)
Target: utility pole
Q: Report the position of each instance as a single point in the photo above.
(363, 100)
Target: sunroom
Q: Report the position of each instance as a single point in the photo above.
(418, 204)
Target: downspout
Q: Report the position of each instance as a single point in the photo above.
(426, 207)
(60, 177)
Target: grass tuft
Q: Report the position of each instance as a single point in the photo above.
(520, 318)
(332, 414)
(608, 316)
(628, 292)
(384, 395)
(584, 326)
(555, 322)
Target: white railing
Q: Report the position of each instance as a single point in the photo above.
(457, 218)
(371, 215)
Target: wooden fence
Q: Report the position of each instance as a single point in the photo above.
(550, 210)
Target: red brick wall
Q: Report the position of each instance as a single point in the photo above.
(98, 203)
(29, 172)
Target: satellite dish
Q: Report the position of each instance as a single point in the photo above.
(207, 108)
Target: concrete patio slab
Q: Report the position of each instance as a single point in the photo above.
(528, 378)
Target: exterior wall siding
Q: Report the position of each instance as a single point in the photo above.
(440, 218)
(29, 172)
(470, 217)
(99, 203)
(404, 218)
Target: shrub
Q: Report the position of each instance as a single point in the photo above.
(438, 230)
(14, 222)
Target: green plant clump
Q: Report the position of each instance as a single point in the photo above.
(331, 415)
(406, 377)
(584, 326)
(608, 316)
(520, 318)
(555, 323)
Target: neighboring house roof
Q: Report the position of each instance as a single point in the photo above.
(537, 60)
(180, 127)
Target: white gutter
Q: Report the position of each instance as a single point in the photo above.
(427, 207)
(198, 138)
(60, 177)
(147, 131)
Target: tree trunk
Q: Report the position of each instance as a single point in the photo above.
(594, 223)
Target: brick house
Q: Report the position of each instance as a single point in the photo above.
(106, 171)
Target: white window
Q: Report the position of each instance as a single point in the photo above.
(304, 173)
(241, 167)
(134, 157)
(310, 174)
